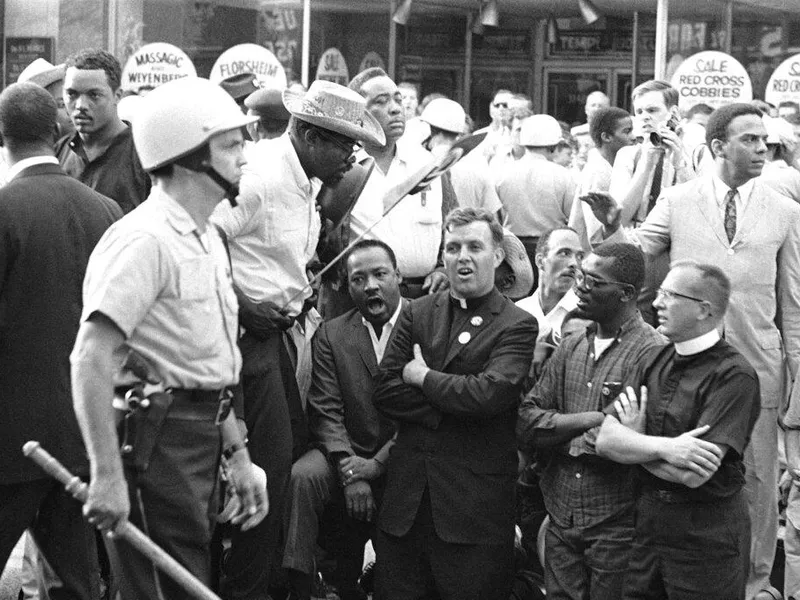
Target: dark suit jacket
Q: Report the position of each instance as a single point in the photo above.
(342, 417)
(49, 224)
(456, 434)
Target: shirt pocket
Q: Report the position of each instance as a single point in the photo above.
(195, 280)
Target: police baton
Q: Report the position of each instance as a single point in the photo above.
(127, 531)
(412, 184)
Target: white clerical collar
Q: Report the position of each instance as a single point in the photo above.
(698, 344)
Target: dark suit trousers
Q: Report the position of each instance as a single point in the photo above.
(422, 566)
(55, 520)
(268, 383)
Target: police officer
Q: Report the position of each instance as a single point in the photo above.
(158, 288)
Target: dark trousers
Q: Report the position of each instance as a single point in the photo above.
(55, 520)
(173, 501)
(269, 386)
(687, 551)
(587, 563)
(422, 566)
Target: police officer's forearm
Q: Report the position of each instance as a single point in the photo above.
(232, 439)
(92, 386)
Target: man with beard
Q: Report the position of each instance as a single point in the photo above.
(589, 499)
(451, 378)
(273, 234)
(346, 467)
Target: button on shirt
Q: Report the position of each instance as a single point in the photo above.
(580, 488)
(274, 229)
(413, 228)
(536, 194)
(168, 288)
(379, 344)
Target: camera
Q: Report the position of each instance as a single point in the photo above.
(672, 125)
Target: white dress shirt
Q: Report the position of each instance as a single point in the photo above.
(721, 190)
(379, 344)
(552, 321)
(23, 164)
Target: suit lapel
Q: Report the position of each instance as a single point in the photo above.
(363, 340)
(709, 210)
(751, 216)
(479, 323)
(441, 329)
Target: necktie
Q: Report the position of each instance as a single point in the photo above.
(730, 213)
(655, 187)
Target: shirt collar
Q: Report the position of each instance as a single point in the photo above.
(176, 215)
(698, 344)
(635, 321)
(469, 303)
(390, 323)
(567, 302)
(23, 164)
(721, 190)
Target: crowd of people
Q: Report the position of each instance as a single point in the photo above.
(262, 332)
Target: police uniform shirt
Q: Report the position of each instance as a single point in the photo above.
(169, 290)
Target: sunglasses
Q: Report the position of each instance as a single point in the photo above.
(500, 105)
(345, 145)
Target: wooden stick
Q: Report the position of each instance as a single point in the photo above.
(127, 531)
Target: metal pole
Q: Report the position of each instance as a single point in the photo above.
(635, 51)
(468, 63)
(727, 25)
(662, 25)
(306, 50)
(392, 38)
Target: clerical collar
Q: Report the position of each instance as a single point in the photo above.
(469, 303)
(698, 344)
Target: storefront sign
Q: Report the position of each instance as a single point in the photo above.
(371, 59)
(784, 85)
(19, 52)
(332, 67)
(712, 78)
(154, 64)
(600, 42)
(250, 58)
(281, 32)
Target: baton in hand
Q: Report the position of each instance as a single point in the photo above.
(127, 531)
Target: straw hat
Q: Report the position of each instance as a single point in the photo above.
(517, 259)
(337, 108)
(42, 72)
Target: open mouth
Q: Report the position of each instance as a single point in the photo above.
(464, 272)
(375, 304)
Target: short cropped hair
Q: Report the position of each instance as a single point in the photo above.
(27, 115)
(628, 265)
(669, 93)
(94, 58)
(715, 285)
(357, 82)
(543, 245)
(366, 245)
(458, 217)
(699, 109)
(720, 119)
(605, 120)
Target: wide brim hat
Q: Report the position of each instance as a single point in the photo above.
(332, 106)
(42, 72)
(268, 103)
(520, 264)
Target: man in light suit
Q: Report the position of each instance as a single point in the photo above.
(452, 378)
(732, 220)
(347, 463)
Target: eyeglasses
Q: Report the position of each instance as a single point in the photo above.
(500, 104)
(590, 281)
(348, 146)
(670, 295)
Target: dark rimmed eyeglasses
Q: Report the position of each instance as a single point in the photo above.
(670, 295)
(590, 281)
(500, 104)
(345, 145)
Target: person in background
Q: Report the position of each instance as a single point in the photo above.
(50, 77)
(239, 87)
(787, 108)
(594, 102)
(273, 118)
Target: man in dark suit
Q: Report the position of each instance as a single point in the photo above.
(351, 441)
(49, 224)
(446, 526)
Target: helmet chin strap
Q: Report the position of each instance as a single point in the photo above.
(231, 189)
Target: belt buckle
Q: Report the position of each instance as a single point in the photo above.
(225, 399)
